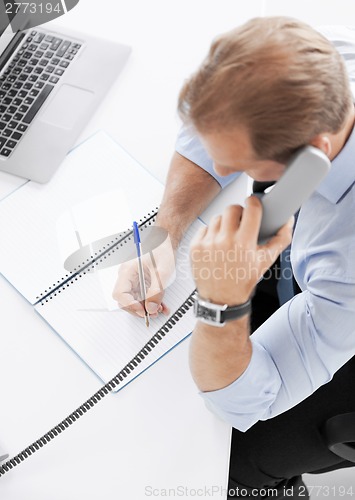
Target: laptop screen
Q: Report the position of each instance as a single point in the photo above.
(6, 16)
(6, 33)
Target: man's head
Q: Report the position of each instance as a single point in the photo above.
(266, 89)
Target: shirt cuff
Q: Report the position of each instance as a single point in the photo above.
(248, 399)
(189, 145)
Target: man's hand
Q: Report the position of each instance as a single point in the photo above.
(158, 268)
(189, 189)
(227, 261)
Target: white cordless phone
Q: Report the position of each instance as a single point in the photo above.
(303, 174)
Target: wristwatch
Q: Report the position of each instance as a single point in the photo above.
(217, 314)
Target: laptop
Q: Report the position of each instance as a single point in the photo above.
(51, 81)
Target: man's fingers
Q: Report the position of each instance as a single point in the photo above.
(165, 309)
(153, 304)
(214, 226)
(127, 302)
(231, 218)
(123, 292)
(155, 293)
(125, 279)
(199, 235)
(251, 219)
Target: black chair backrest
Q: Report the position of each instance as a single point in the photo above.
(339, 434)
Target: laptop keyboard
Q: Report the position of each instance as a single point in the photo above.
(28, 80)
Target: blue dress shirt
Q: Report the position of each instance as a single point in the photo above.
(302, 345)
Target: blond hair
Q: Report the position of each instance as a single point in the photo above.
(277, 77)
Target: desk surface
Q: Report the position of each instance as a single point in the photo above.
(155, 433)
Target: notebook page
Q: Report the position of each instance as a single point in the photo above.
(41, 221)
(106, 340)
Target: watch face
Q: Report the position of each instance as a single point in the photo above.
(207, 314)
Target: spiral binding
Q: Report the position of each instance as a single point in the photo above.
(130, 366)
(101, 393)
(95, 259)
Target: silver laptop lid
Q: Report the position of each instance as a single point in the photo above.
(7, 34)
(5, 38)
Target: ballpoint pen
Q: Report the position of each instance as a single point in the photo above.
(137, 242)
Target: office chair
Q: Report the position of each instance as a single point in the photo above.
(339, 435)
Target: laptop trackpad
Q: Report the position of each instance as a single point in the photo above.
(67, 106)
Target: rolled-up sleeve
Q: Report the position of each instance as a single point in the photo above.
(249, 398)
(297, 350)
(189, 145)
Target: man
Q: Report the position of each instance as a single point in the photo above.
(265, 90)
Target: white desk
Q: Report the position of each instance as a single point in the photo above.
(156, 433)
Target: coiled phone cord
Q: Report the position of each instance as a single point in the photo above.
(101, 393)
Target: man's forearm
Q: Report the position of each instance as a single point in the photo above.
(189, 190)
(218, 356)
(227, 263)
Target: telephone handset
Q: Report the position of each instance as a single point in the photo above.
(303, 174)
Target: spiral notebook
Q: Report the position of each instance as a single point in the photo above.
(94, 197)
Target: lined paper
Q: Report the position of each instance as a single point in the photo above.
(106, 340)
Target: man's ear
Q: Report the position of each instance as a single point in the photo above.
(322, 142)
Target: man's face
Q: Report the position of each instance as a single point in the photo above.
(232, 152)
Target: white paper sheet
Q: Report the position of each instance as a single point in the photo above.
(40, 221)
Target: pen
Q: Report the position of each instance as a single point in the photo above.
(137, 242)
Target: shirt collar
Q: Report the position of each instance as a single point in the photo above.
(341, 175)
